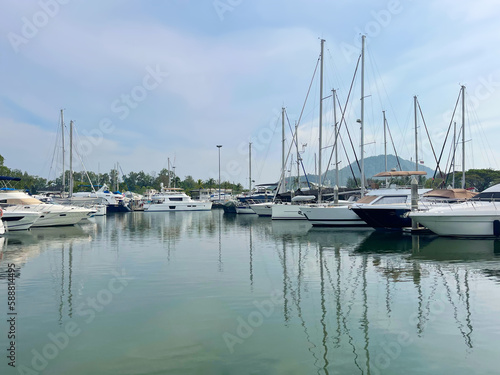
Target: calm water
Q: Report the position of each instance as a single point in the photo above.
(204, 293)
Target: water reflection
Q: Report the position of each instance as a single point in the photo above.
(348, 295)
(356, 274)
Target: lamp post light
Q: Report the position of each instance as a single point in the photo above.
(219, 146)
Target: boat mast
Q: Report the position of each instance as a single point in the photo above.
(63, 166)
(282, 186)
(334, 94)
(463, 137)
(70, 193)
(320, 119)
(362, 115)
(298, 156)
(416, 132)
(168, 166)
(454, 150)
(385, 145)
(250, 166)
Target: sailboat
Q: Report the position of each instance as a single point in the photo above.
(340, 215)
(293, 210)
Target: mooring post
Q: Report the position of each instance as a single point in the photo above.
(414, 201)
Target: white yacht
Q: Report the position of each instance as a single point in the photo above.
(479, 217)
(114, 202)
(15, 220)
(343, 216)
(469, 219)
(19, 202)
(174, 199)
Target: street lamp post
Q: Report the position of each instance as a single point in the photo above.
(219, 146)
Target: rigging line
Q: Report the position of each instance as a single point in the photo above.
(348, 161)
(447, 133)
(482, 136)
(394, 147)
(385, 90)
(342, 119)
(407, 125)
(309, 90)
(428, 136)
(294, 141)
(81, 161)
(452, 156)
(259, 174)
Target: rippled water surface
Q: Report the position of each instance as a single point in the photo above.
(208, 293)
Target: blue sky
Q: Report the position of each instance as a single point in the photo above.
(145, 81)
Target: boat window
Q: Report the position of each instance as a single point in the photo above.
(171, 207)
(392, 199)
(176, 199)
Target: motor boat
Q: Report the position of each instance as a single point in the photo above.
(174, 199)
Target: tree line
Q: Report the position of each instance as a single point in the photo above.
(137, 182)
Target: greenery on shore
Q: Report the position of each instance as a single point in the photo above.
(137, 182)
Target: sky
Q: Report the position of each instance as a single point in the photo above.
(151, 82)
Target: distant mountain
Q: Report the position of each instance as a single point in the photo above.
(373, 165)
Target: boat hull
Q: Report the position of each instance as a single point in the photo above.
(179, 206)
(332, 216)
(287, 211)
(384, 218)
(263, 209)
(474, 219)
(19, 220)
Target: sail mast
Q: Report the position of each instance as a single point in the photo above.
(454, 150)
(70, 192)
(298, 156)
(463, 137)
(416, 132)
(320, 119)
(385, 145)
(250, 166)
(334, 94)
(362, 115)
(63, 166)
(282, 186)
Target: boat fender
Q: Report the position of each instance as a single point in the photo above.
(1, 212)
(496, 228)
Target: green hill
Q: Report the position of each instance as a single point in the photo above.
(373, 165)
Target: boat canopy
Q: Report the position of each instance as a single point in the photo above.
(450, 193)
(7, 178)
(400, 173)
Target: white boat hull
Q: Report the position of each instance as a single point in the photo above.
(54, 215)
(332, 216)
(179, 206)
(245, 210)
(287, 211)
(474, 219)
(263, 209)
(19, 220)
